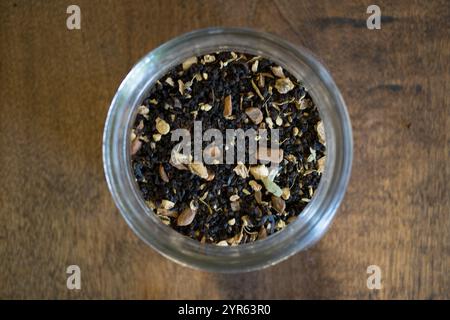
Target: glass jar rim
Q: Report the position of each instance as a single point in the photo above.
(317, 215)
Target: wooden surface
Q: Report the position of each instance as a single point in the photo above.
(55, 209)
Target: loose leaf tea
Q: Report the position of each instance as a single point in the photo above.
(221, 202)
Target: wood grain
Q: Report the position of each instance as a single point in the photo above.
(56, 86)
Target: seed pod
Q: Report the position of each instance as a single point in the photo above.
(186, 217)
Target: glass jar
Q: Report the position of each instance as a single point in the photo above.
(317, 215)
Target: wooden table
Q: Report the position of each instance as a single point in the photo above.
(55, 209)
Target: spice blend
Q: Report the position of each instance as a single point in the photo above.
(228, 204)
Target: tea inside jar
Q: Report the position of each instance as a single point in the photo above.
(228, 148)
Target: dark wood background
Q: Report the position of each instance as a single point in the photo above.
(55, 89)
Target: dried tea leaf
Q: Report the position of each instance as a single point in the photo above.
(284, 85)
(278, 204)
(232, 222)
(255, 114)
(162, 126)
(241, 170)
(163, 174)
(295, 131)
(222, 243)
(199, 169)
(259, 172)
(227, 106)
(272, 187)
(278, 72)
(189, 62)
